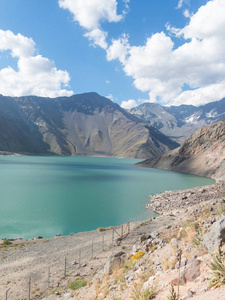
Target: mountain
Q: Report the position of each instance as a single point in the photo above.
(178, 122)
(85, 124)
(203, 153)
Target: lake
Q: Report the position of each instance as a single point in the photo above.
(45, 196)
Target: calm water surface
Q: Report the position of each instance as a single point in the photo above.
(50, 195)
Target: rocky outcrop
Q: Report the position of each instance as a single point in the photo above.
(216, 236)
(85, 124)
(203, 153)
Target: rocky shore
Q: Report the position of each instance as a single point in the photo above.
(181, 200)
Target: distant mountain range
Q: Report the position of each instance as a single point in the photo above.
(85, 124)
(179, 122)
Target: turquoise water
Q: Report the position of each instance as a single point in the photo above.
(50, 195)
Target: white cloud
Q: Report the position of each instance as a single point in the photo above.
(90, 13)
(213, 92)
(163, 70)
(119, 49)
(97, 37)
(36, 75)
(112, 98)
(186, 13)
(128, 104)
(182, 2)
(158, 67)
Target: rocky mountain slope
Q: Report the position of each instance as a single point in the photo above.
(178, 122)
(203, 153)
(86, 124)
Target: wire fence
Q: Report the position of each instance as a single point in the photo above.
(40, 282)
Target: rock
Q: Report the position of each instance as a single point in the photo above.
(59, 234)
(189, 274)
(174, 243)
(190, 293)
(66, 296)
(144, 237)
(157, 261)
(118, 254)
(136, 248)
(213, 239)
(182, 263)
(148, 284)
(154, 234)
(192, 271)
(113, 260)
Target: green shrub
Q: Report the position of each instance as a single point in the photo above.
(6, 242)
(173, 295)
(218, 268)
(77, 283)
(138, 294)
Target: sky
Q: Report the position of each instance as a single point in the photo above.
(170, 52)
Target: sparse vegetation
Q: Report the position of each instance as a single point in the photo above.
(173, 295)
(77, 283)
(139, 294)
(220, 208)
(137, 255)
(6, 242)
(218, 268)
(100, 229)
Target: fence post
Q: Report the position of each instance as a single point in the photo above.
(112, 236)
(6, 294)
(79, 256)
(129, 227)
(29, 283)
(48, 277)
(103, 248)
(65, 267)
(92, 249)
(122, 231)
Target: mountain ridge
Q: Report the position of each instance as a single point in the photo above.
(85, 124)
(178, 122)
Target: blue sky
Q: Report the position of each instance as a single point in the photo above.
(131, 51)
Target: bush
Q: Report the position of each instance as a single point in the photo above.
(77, 283)
(6, 242)
(137, 255)
(100, 229)
(218, 268)
(173, 295)
(138, 294)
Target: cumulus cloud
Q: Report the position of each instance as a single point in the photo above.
(165, 71)
(159, 67)
(128, 104)
(90, 14)
(97, 38)
(36, 75)
(119, 49)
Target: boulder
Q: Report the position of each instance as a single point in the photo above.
(112, 261)
(190, 273)
(216, 236)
